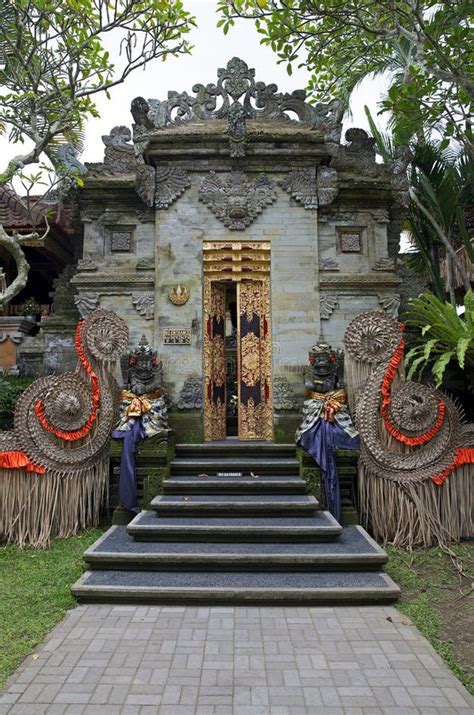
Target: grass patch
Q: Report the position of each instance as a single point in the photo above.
(35, 587)
(439, 602)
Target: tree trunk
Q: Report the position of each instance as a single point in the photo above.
(12, 247)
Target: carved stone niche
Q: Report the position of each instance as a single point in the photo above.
(236, 199)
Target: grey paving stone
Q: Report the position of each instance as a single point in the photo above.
(129, 660)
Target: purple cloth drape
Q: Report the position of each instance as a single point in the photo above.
(128, 476)
(320, 441)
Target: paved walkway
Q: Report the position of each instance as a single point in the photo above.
(106, 660)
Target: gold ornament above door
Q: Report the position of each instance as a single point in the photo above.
(247, 265)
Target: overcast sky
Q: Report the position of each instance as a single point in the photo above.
(212, 49)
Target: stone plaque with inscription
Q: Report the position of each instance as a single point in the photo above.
(177, 336)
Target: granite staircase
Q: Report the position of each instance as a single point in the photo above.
(235, 524)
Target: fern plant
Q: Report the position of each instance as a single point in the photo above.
(11, 387)
(444, 335)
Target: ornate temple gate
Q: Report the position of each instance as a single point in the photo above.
(247, 265)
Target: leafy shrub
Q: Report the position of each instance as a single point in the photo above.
(444, 335)
(11, 387)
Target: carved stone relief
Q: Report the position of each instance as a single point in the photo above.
(146, 264)
(390, 303)
(236, 85)
(301, 185)
(119, 155)
(86, 303)
(237, 131)
(145, 183)
(328, 264)
(236, 200)
(327, 184)
(283, 396)
(385, 264)
(144, 304)
(170, 184)
(190, 397)
(121, 241)
(350, 241)
(327, 305)
(86, 264)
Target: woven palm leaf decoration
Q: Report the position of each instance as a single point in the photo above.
(54, 463)
(416, 466)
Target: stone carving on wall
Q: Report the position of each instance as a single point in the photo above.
(145, 264)
(390, 303)
(327, 185)
(170, 184)
(236, 200)
(64, 293)
(236, 85)
(385, 264)
(359, 153)
(350, 241)
(301, 185)
(190, 397)
(145, 183)
(327, 305)
(145, 304)
(237, 131)
(121, 241)
(119, 157)
(328, 264)
(86, 303)
(160, 187)
(86, 264)
(283, 396)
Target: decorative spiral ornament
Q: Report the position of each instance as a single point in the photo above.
(104, 336)
(415, 415)
(372, 337)
(63, 423)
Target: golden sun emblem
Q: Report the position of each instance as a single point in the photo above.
(178, 295)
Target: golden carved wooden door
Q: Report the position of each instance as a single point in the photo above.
(254, 353)
(214, 361)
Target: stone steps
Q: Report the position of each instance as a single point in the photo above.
(235, 587)
(320, 526)
(238, 505)
(218, 534)
(354, 550)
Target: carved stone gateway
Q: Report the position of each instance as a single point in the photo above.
(236, 189)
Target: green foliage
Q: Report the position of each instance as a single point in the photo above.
(11, 387)
(443, 335)
(35, 587)
(424, 46)
(53, 61)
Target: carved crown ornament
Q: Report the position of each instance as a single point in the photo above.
(236, 85)
(178, 295)
(237, 200)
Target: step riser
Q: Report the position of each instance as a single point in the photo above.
(217, 451)
(208, 488)
(213, 468)
(275, 598)
(243, 511)
(215, 536)
(118, 564)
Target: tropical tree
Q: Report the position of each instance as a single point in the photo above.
(56, 56)
(424, 43)
(441, 191)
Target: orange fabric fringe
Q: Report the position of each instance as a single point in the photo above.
(76, 434)
(19, 460)
(464, 455)
(386, 400)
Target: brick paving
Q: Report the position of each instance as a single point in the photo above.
(128, 660)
